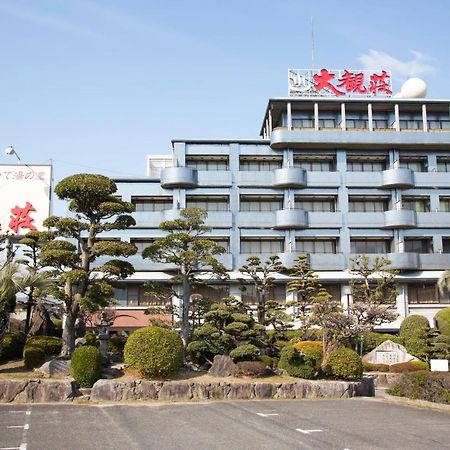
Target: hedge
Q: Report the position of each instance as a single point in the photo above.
(344, 364)
(12, 345)
(312, 350)
(116, 344)
(51, 345)
(85, 366)
(33, 356)
(414, 330)
(245, 352)
(154, 352)
(296, 362)
(410, 366)
(443, 321)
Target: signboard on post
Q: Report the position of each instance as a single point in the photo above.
(24, 198)
(338, 82)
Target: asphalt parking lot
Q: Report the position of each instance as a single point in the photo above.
(304, 424)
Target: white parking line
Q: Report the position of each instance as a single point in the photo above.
(267, 415)
(20, 412)
(24, 427)
(308, 431)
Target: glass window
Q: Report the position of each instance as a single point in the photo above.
(302, 123)
(356, 123)
(411, 124)
(325, 204)
(368, 246)
(260, 203)
(368, 204)
(277, 292)
(325, 164)
(152, 203)
(316, 245)
(210, 203)
(443, 164)
(365, 164)
(426, 293)
(207, 162)
(444, 204)
(419, 245)
(415, 164)
(418, 204)
(141, 244)
(215, 292)
(259, 164)
(439, 124)
(380, 124)
(256, 246)
(446, 245)
(138, 295)
(223, 242)
(327, 123)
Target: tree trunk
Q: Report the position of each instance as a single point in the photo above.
(328, 347)
(261, 309)
(69, 332)
(4, 322)
(29, 308)
(186, 304)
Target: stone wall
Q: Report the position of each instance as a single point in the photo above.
(43, 391)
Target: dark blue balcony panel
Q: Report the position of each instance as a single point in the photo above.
(397, 178)
(400, 218)
(179, 177)
(290, 219)
(404, 261)
(289, 177)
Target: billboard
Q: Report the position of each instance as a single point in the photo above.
(25, 194)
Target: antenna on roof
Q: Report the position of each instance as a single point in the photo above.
(313, 47)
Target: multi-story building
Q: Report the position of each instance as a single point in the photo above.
(332, 177)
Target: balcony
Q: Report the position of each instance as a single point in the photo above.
(255, 178)
(290, 219)
(171, 214)
(433, 219)
(434, 261)
(404, 261)
(179, 177)
(214, 178)
(317, 261)
(400, 218)
(289, 177)
(255, 219)
(319, 219)
(148, 218)
(365, 219)
(288, 258)
(363, 179)
(397, 178)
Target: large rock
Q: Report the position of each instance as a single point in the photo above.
(389, 353)
(55, 367)
(265, 390)
(223, 366)
(241, 391)
(109, 390)
(36, 391)
(175, 391)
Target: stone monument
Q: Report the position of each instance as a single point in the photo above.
(389, 353)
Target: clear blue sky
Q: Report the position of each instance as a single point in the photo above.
(102, 84)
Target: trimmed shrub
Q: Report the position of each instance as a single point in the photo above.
(296, 363)
(33, 356)
(91, 339)
(116, 344)
(312, 350)
(410, 366)
(414, 331)
(51, 345)
(269, 361)
(85, 366)
(12, 346)
(345, 364)
(245, 352)
(442, 318)
(422, 385)
(154, 352)
(368, 367)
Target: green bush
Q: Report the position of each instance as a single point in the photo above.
(442, 318)
(410, 366)
(414, 331)
(245, 352)
(312, 350)
(51, 345)
(12, 346)
(368, 367)
(345, 364)
(422, 385)
(33, 356)
(154, 352)
(116, 344)
(92, 339)
(296, 363)
(85, 366)
(269, 361)
(372, 340)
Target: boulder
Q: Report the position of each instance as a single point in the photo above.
(108, 390)
(55, 367)
(175, 392)
(241, 391)
(223, 366)
(265, 390)
(389, 353)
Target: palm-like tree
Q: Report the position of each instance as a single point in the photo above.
(8, 291)
(444, 282)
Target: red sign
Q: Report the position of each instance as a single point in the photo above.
(21, 218)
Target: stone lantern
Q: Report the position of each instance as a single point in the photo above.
(103, 326)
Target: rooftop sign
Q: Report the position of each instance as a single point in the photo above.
(335, 83)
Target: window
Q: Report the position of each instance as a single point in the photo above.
(416, 164)
(302, 123)
(446, 245)
(223, 242)
(215, 292)
(316, 245)
(439, 124)
(207, 162)
(365, 164)
(443, 164)
(325, 204)
(368, 204)
(261, 203)
(418, 204)
(138, 296)
(426, 293)
(322, 164)
(259, 164)
(356, 123)
(368, 246)
(152, 203)
(277, 292)
(255, 246)
(379, 124)
(444, 204)
(411, 124)
(210, 203)
(141, 244)
(327, 123)
(419, 245)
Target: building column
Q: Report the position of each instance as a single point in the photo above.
(402, 301)
(270, 122)
(343, 125)
(370, 116)
(424, 118)
(289, 115)
(316, 116)
(397, 117)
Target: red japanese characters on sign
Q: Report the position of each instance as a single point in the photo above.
(20, 218)
(324, 82)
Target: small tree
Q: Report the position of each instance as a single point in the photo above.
(193, 255)
(279, 322)
(8, 291)
(261, 278)
(96, 210)
(306, 288)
